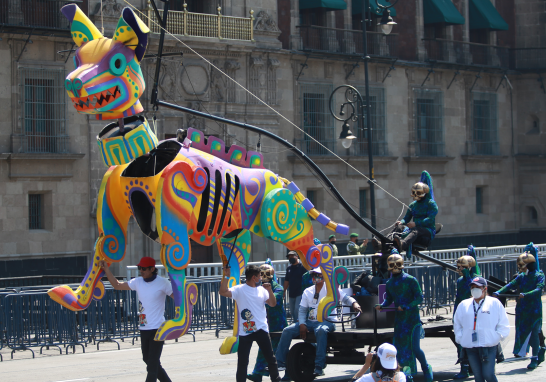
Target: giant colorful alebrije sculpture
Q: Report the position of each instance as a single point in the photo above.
(177, 191)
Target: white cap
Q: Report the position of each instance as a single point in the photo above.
(316, 270)
(387, 356)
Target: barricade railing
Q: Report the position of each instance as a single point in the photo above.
(355, 261)
(30, 319)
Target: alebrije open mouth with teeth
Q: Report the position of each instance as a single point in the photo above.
(97, 100)
(107, 82)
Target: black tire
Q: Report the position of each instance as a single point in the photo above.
(300, 362)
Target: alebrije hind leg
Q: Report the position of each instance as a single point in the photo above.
(286, 221)
(179, 188)
(238, 258)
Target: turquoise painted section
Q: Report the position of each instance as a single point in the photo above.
(114, 235)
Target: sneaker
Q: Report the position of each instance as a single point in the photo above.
(318, 372)
(281, 367)
(286, 377)
(533, 365)
(254, 377)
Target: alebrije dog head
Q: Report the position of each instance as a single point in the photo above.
(107, 80)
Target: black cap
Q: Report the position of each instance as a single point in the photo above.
(291, 253)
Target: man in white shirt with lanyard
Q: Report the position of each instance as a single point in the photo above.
(152, 291)
(480, 323)
(251, 298)
(308, 321)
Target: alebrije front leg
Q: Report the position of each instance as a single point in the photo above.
(112, 221)
(91, 288)
(238, 258)
(179, 188)
(185, 297)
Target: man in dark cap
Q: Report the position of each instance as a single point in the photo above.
(332, 242)
(292, 282)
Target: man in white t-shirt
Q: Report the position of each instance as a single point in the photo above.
(152, 291)
(251, 298)
(308, 321)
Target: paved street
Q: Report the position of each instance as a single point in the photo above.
(201, 361)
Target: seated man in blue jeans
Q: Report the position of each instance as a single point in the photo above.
(307, 320)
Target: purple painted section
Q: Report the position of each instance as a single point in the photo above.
(293, 188)
(342, 229)
(244, 160)
(69, 11)
(323, 219)
(130, 19)
(307, 205)
(104, 63)
(382, 292)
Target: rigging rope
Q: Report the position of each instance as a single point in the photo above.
(263, 102)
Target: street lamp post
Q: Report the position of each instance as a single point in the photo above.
(353, 96)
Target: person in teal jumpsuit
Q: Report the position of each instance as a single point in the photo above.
(405, 292)
(530, 283)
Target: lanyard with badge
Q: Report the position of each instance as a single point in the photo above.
(474, 333)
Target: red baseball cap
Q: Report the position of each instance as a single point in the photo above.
(146, 262)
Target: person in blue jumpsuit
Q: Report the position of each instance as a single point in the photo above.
(405, 292)
(530, 283)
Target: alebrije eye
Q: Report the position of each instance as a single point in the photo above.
(118, 63)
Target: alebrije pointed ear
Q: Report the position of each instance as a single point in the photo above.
(81, 28)
(132, 32)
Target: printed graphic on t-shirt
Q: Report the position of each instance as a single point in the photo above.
(141, 317)
(312, 314)
(249, 326)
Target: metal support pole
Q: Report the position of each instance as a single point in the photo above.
(160, 50)
(365, 7)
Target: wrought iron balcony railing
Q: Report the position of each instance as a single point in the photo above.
(205, 25)
(467, 53)
(530, 59)
(345, 41)
(35, 14)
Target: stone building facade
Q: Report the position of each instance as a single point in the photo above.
(462, 100)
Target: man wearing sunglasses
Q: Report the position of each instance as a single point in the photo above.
(251, 298)
(152, 291)
(307, 320)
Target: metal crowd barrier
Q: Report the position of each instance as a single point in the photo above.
(215, 269)
(29, 319)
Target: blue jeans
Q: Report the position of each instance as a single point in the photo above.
(294, 303)
(482, 361)
(321, 330)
